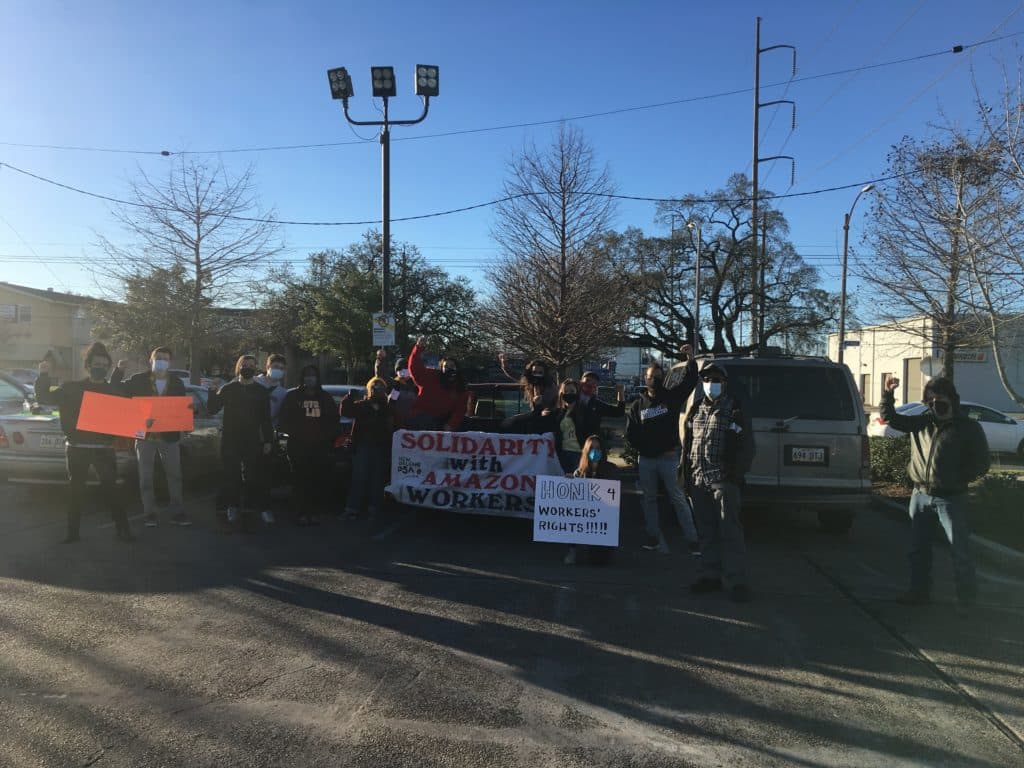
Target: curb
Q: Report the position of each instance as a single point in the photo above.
(986, 550)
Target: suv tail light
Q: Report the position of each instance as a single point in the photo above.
(3, 439)
(865, 453)
(18, 438)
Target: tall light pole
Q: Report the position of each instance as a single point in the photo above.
(696, 287)
(383, 79)
(842, 289)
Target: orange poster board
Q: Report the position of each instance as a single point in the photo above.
(110, 415)
(169, 414)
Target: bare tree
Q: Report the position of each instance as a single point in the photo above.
(554, 292)
(1001, 279)
(932, 231)
(198, 220)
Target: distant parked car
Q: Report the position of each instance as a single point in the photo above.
(14, 396)
(1004, 434)
(26, 377)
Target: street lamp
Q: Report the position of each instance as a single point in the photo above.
(696, 287)
(842, 289)
(383, 83)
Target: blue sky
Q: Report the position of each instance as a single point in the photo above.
(230, 75)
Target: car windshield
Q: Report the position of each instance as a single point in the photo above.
(786, 392)
(11, 397)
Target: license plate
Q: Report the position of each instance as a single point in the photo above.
(51, 441)
(808, 455)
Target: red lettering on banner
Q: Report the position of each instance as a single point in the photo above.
(408, 440)
(473, 481)
(430, 479)
(529, 482)
(450, 479)
(425, 442)
(509, 447)
(487, 447)
(492, 482)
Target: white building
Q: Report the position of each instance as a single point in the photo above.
(875, 351)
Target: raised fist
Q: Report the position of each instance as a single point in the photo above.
(686, 351)
(421, 342)
(382, 355)
(122, 364)
(891, 382)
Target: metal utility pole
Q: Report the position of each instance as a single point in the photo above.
(760, 291)
(842, 288)
(757, 160)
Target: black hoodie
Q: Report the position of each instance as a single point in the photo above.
(68, 399)
(309, 418)
(652, 421)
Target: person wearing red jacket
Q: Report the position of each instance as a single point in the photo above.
(442, 397)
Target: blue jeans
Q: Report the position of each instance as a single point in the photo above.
(951, 513)
(663, 468)
(369, 476)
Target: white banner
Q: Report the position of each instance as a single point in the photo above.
(476, 472)
(577, 511)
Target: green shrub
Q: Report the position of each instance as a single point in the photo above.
(889, 459)
(629, 454)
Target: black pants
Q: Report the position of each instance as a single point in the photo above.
(103, 459)
(254, 488)
(311, 481)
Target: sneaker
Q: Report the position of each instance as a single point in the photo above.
(740, 593)
(914, 597)
(651, 543)
(694, 548)
(703, 586)
(233, 515)
(181, 519)
(151, 521)
(267, 516)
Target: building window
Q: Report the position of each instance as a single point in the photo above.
(24, 313)
(9, 313)
(865, 388)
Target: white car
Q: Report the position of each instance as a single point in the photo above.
(1004, 434)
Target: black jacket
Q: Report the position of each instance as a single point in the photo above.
(945, 456)
(310, 419)
(246, 414)
(144, 385)
(738, 453)
(534, 422)
(589, 415)
(68, 399)
(370, 426)
(652, 423)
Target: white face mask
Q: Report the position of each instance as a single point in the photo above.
(159, 366)
(713, 389)
(275, 374)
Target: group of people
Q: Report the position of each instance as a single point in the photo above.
(699, 456)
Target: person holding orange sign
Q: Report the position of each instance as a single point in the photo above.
(86, 449)
(157, 383)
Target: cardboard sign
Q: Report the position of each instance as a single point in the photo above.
(169, 414)
(577, 510)
(110, 415)
(128, 417)
(474, 472)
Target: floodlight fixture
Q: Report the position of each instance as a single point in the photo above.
(427, 80)
(341, 83)
(383, 81)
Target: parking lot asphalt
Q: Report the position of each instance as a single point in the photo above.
(432, 639)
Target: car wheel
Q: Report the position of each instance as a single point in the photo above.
(835, 521)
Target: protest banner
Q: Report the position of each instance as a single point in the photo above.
(473, 472)
(577, 510)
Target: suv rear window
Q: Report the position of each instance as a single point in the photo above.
(782, 392)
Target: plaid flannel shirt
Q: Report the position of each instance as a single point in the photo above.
(709, 426)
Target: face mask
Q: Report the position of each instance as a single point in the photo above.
(655, 384)
(942, 409)
(595, 454)
(404, 374)
(378, 393)
(569, 397)
(713, 389)
(247, 373)
(309, 381)
(588, 389)
(276, 374)
(99, 372)
(159, 366)
(536, 378)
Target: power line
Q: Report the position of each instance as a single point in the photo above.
(463, 209)
(530, 124)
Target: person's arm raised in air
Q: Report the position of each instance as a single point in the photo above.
(896, 420)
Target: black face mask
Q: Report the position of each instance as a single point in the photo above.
(247, 373)
(310, 381)
(942, 409)
(537, 378)
(99, 372)
(655, 384)
(570, 397)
